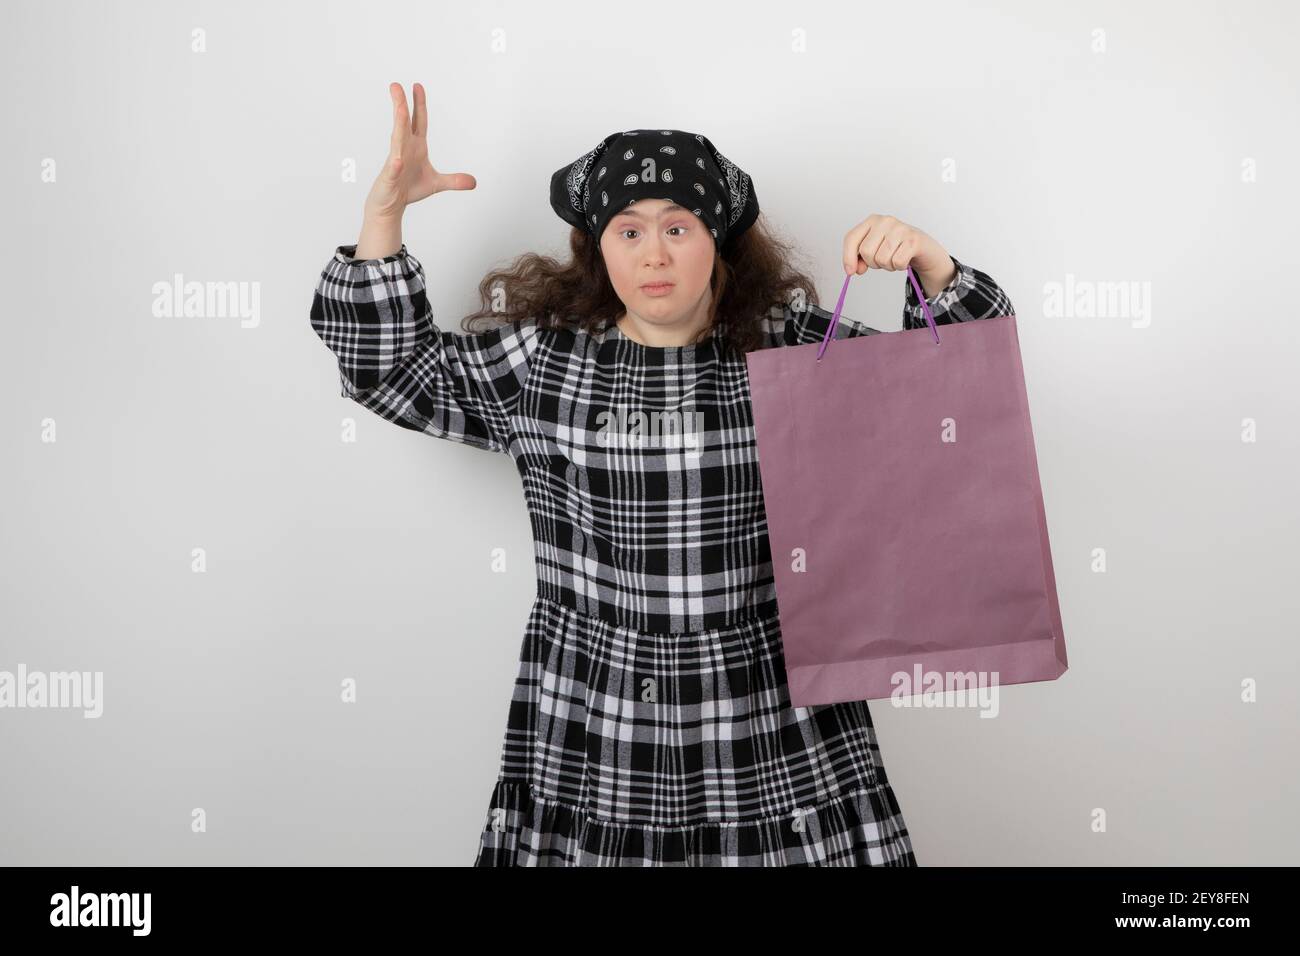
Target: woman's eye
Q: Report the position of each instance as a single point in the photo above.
(624, 232)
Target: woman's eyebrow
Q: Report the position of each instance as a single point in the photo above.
(663, 212)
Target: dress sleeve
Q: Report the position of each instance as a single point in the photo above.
(970, 295)
(374, 316)
(808, 325)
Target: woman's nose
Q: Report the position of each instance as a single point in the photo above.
(654, 250)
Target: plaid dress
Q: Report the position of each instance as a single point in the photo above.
(650, 723)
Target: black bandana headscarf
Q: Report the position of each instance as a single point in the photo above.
(684, 168)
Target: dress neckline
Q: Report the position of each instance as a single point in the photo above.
(614, 333)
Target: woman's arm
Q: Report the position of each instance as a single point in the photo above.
(961, 293)
(371, 309)
(374, 315)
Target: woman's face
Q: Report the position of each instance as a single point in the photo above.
(657, 241)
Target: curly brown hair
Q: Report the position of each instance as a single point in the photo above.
(751, 274)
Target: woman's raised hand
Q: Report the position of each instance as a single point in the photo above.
(408, 176)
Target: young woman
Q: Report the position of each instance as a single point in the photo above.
(650, 722)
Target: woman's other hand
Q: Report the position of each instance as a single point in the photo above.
(884, 242)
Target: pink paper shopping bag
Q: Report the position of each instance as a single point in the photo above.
(909, 539)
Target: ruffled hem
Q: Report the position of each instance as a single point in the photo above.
(862, 827)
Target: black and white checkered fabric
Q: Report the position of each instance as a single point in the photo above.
(650, 723)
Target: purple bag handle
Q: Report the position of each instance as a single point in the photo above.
(830, 329)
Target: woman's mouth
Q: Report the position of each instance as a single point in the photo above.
(657, 288)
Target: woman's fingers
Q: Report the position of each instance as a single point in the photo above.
(401, 119)
(458, 181)
(895, 249)
(454, 181)
(408, 174)
(853, 241)
(878, 247)
(879, 242)
(904, 251)
(421, 125)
